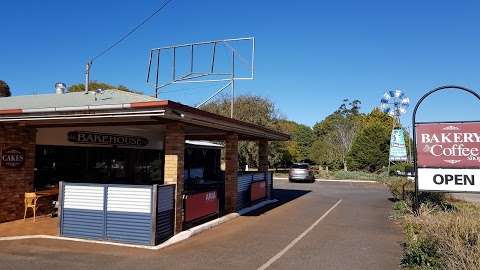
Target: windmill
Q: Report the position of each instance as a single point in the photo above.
(395, 104)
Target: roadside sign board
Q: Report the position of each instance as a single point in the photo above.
(398, 151)
(448, 156)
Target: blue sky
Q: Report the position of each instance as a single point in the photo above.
(310, 54)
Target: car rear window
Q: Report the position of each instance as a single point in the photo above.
(300, 166)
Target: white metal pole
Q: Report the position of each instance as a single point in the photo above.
(87, 76)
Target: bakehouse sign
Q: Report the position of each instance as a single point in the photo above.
(87, 137)
(448, 156)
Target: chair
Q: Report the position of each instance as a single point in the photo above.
(30, 202)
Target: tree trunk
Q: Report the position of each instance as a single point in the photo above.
(345, 165)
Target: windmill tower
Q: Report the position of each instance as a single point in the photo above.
(395, 104)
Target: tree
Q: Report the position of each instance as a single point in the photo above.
(337, 131)
(256, 110)
(303, 138)
(323, 153)
(370, 148)
(4, 89)
(94, 85)
(253, 109)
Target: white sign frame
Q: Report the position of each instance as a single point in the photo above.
(449, 180)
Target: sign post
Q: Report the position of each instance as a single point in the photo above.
(446, 154)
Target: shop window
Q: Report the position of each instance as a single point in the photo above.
(97, 165)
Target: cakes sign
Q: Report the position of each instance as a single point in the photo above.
(13, 157)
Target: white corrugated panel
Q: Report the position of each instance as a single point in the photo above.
(83, 197)
(126, 199)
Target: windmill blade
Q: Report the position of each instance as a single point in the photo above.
(397, 93)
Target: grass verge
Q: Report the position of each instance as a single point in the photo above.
(444, 235)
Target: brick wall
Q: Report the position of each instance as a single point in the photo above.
(174, 164)
(14, 182)
(263, 156)
(231, 172)
(263, 161)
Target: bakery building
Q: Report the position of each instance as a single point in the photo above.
(126, 167)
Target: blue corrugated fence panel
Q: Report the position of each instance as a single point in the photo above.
(165, 212)
(83, 223)
(129, 227)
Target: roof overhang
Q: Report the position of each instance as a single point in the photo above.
(201, 124)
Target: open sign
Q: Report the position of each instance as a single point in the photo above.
(13, 157)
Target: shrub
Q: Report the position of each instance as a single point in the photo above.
(401, 188)
(443, 239)
(402, 167)
(322, 174)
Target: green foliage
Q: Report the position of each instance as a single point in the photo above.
(253, 109)
(345, 139)
(444, 234)
(402, 167)
(400, 209)
(256, 110)
(370, 148)
(303, 137)
(4, 89)
(94, 85)
(420, 252)
(323, 152)
(358, 175)
(401, 188)
(336, 133)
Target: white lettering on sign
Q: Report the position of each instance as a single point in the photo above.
(211, 196)
(450, 180)
(472, 137)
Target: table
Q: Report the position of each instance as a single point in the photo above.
(47, 193)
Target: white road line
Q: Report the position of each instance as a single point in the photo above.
(296, 240)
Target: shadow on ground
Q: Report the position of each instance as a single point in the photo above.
(283, 196)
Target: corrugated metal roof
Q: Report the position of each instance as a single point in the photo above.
(108, 97)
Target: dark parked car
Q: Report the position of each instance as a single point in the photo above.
(301, 172)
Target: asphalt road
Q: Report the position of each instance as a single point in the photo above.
(325, 225)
